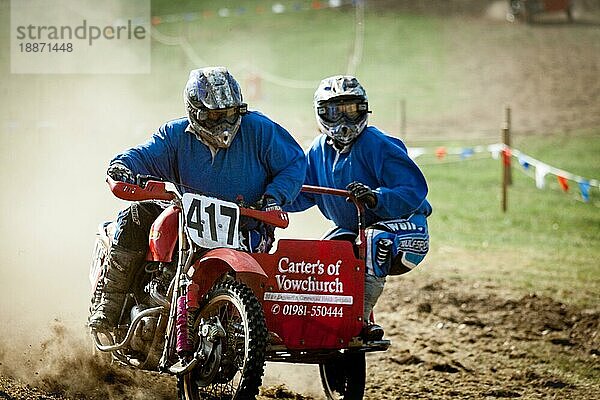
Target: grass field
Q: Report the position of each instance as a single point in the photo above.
(548, 240)
(306, 46)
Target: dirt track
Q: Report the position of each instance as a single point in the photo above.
(451, 338)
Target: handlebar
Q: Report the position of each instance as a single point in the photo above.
(325, 190)
(155, 190)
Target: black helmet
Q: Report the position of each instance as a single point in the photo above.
(213, 101)
(341, 108)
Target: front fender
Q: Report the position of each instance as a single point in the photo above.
(215, 263)
(163, 235)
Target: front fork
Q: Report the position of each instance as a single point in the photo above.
(176, 334)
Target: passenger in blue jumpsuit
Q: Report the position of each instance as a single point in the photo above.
(220, 149)
(376, 169)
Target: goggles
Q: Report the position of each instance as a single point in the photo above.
(215, 117)
(333, 112)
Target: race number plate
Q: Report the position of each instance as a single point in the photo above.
(211, 222)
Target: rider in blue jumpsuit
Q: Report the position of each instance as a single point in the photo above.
(219, 149)
(376, 169)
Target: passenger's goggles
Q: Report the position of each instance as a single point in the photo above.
(214, 117)
(333, 112)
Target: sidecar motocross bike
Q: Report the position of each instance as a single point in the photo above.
(212, 315)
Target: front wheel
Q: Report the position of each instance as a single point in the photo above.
(235, 368)
(343, 377)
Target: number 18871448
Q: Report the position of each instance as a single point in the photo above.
(43, 47)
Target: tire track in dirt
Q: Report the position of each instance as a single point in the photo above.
(450, 339)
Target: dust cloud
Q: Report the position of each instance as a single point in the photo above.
(57, 134)
(56, 141)
(64, 364)
(497, 10)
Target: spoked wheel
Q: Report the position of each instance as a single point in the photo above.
(344, 377)
(235, 366)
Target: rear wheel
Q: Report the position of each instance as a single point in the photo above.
(343, 377)
(235, 368)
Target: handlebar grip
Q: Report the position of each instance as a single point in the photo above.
(142, 180)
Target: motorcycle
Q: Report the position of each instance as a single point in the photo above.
(210, 314)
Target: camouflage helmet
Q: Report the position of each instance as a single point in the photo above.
(341, 107)
(213, 101)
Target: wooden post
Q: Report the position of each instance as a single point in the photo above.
(506, 140)
(506, 175)
(403, 118)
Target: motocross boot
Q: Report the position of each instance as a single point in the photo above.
(121, 262)
(372, 332)
(373, 288)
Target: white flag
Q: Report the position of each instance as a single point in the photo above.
(540, 173)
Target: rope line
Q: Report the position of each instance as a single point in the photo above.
(359, 38)
(353, 62)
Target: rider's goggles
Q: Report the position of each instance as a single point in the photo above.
(215, 117)
(334, 112)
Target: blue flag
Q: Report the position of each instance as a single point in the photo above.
(584, 187)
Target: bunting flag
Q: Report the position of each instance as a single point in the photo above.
(523, 163)
(495, 149)
(416, 152)
(528, 163)
(275, 8)
(541, 171)
(562, 181)
(563, 177)
(466, 153)
(584, 189)
(506, 153)
(440, 153)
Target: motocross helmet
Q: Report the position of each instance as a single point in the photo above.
(341, 108)
(213, 101)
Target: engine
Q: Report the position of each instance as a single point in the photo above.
(154, 294)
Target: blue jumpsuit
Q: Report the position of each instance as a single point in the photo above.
(397, 235)
(263, 158)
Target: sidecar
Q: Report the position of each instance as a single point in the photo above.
(313, 304)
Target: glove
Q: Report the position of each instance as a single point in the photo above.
(120, 173)
(362, 193)
(268, 203)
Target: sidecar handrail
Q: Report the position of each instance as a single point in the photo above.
(325, 190)
(360, 208)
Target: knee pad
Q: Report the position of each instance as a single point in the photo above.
(397, 246)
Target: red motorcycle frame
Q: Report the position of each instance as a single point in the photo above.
(310, 295)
